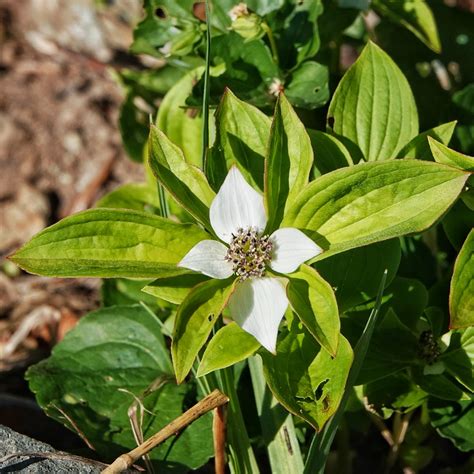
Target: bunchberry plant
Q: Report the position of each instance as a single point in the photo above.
(269, 254)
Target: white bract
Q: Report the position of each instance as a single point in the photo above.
(238, 217)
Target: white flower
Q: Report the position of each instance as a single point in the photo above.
(238, 217)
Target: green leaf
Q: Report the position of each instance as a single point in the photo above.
(306, 380)
(122, 291)
(230, 345)
(185, 182)
(454, 421)
(142, 88)
(195, 318)
(408, 298)
(437, 385)
(464, 104)
(313, 300)
(355, 274)
(393, 347)
(415, 15)
(242, 133)
(419, 147)
(461, 296)
(109, 243)
(308, 86)
(329, 153)
(443, 154)
(289, 161)
(179, 123)
(371, 202)
(395, 392)
(321, 444)
(112, 358)
(458, 222)
(135, 196)
(278, 429)
(373, 106)
(459, 357)
(174, 289)
(298, 36)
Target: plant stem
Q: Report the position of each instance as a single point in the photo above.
(272, 42)
(164, 209)
(277, 425)
(205, 98)
(213, 400)
(321, 443)
(241, 457)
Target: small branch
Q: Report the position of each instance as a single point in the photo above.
(218, 430)
(213, 400)
(400, 428)
(384, 431)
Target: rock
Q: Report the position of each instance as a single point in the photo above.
(12, 442)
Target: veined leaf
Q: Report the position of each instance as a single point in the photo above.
(115, 358)
(306, 380)
(109, 243)
(371, 202)
(230, 345)
(136, 196)
(374, 107)
(242, 133)
(181, 124)
(461, 297)
(195, 318)
(175, 288)
(355, 274)
(313, 300)
(308, 86)
(415, 15)
(185, 182)
(443, 154)
(289, 161)
(419, 147)
(329, 153)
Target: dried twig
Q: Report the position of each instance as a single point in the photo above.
(213, 400)
(218, 430)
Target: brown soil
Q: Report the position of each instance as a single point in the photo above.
(60, 149)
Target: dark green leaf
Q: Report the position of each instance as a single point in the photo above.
(308, 86)
(329, 152)
(355, 274)
(454, 421)
(111, 359)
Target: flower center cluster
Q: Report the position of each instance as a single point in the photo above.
(249, 253)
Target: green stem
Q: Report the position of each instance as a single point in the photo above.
(277, 425)
(272, 42)
(205, 98)
(322, 441)
(164, 209)
(241, 457)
